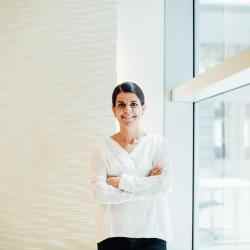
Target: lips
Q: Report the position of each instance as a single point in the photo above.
(128, 117)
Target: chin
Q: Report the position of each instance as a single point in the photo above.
(131, 124)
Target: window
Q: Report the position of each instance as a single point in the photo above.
(223, 30)
(222, 160)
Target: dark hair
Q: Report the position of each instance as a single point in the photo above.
(128, 87)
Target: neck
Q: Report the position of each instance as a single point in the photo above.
(129, 135)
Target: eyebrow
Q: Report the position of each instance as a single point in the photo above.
(124, 102)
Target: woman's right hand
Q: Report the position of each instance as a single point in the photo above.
(156, 170)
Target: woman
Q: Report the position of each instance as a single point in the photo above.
(131, 180)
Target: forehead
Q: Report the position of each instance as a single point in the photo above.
(127, 97)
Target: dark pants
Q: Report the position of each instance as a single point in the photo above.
(124, 243)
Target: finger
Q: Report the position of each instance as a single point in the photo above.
(109, 180)
(151, 173)
(156, 170)
(157, 167)
(156, 173)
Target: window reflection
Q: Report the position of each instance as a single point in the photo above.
(223, 30)
(222, 172)
(246, 132)
(219, 130)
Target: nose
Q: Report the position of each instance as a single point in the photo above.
(128, 108)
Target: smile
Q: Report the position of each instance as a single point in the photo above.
(128, 118)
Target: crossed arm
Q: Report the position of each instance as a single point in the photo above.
(115, 180)
(126, 188)
(117, 190)
(156, 182)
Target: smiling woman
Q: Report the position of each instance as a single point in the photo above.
(131, 179)
(128, 108)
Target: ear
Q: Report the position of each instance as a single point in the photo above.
(113, 110)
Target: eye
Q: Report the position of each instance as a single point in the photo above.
(134, 104)
(121, 105)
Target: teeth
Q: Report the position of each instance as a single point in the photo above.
(127, 118)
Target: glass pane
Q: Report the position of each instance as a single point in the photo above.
(223, 30)
(222, 170)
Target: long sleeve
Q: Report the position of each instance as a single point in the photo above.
(103, 192)
(151, 184)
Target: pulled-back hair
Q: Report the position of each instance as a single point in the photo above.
(128, 87)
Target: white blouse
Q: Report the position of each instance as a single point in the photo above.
(139, 208)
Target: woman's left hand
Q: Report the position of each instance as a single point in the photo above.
(113, 181)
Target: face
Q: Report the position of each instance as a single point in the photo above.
(128, 109)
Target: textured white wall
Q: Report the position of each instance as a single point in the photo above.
(57, 71)
(140, 53)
